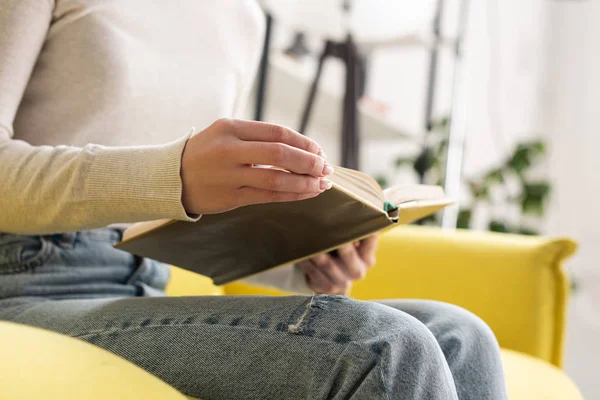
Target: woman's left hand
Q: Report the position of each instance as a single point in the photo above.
(334, 273)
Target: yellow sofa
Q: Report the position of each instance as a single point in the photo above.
(515, 283)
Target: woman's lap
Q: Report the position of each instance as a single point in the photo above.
(255, 347)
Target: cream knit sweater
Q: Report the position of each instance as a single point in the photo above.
(96, 99)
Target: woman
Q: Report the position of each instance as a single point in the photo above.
(96, 98)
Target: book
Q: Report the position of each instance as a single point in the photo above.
(247, 240)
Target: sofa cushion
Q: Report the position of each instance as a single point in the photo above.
(531, 378)
(40, 364)
(185, 283)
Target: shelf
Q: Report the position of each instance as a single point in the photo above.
(422, 40)
(289, 82)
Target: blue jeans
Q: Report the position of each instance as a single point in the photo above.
(221, 347)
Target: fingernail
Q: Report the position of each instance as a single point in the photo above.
(325, 184)
(327, 169)
(322, 153)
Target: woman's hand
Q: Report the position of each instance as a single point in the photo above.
(217, 166)
(333, 274)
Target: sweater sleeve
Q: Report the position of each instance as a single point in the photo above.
(49, 189)
(289, 278)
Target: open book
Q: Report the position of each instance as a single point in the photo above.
(251, 239)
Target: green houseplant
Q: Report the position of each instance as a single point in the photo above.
(509, 186)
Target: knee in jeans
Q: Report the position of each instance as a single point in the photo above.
(384, 329)
(460, 328)
(471, 324)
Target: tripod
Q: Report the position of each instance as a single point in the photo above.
(354, 88)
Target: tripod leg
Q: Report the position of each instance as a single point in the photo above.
(263, 72)
(350, 131)
(313, 88)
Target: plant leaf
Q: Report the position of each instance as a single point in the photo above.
(574, 285)
(494, 176)
(497, 226)
(520, 160)
(442, 124)
(464, 219)
(538, 146)
(424, 161)
(442, 147)
(430, 220)
(532, 205)
(534, 197)
(539, 189)
(403, 161)
(525, 155)
(527, 231)
(383, 181)
(479, 190)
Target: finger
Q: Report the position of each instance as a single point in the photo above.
(265, 132)
(316, 279)
(249, 195)
(283, 156)
(328, 265)
(320, 283)
(282, 181)
(368, 249)
(352, 265)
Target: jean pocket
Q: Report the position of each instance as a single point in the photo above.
(19, 253)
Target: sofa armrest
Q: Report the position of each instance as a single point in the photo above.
(515, 283)
(39, 364)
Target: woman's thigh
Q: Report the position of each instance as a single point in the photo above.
(258, 347)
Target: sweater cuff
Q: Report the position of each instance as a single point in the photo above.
(134, 184)
(288, 278)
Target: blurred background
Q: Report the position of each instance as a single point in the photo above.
(494, 99)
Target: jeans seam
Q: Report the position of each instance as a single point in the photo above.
(310, 305)
(385, 388)
(180, 325)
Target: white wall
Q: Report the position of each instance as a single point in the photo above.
(572, 108)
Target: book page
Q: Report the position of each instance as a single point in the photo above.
(368, 190)
(411, 211)
(405, 193)
(360, 185)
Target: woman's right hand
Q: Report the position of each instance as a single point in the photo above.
(217, 169)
